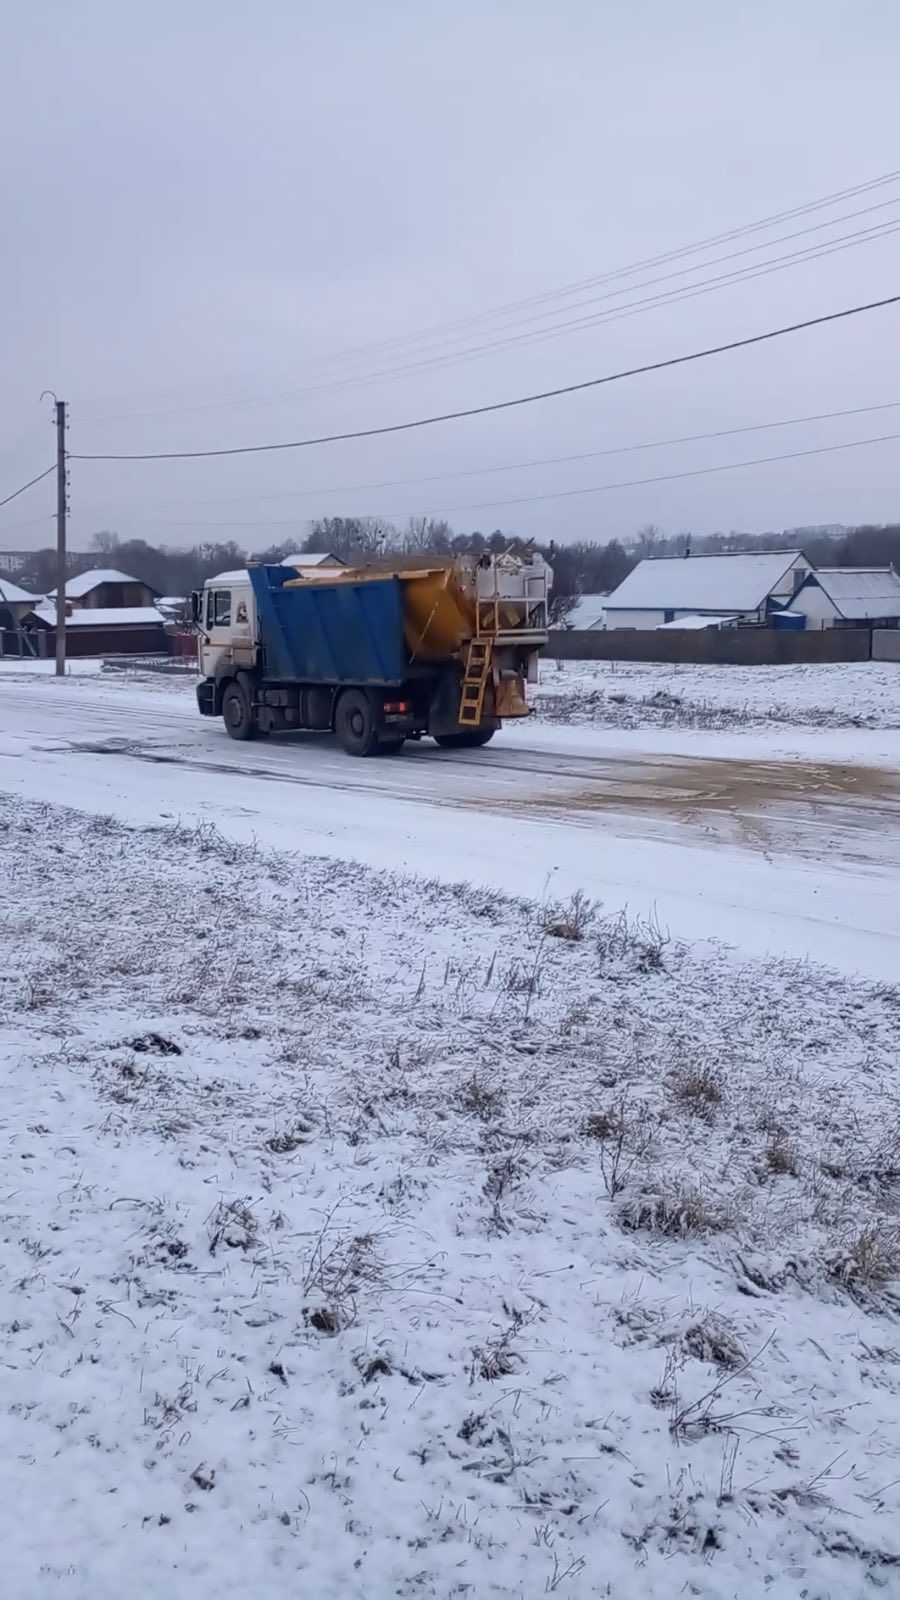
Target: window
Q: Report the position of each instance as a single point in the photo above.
(218, 608)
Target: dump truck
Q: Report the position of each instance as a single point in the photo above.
(376, 655)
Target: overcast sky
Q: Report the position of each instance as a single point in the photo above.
(210, 209)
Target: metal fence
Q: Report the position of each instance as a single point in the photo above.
(724, 647)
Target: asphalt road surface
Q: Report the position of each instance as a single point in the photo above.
(795, 856)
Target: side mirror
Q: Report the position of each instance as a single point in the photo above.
(196, 606)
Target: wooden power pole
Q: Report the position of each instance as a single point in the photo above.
(61, 496)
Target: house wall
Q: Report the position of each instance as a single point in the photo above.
(785, 588)
(819, 611)
(139, 640)
(109, 595)
(620, 618)
(722, 646)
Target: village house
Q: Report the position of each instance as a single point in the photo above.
(849, 597)
(744, 587)
(106, 589)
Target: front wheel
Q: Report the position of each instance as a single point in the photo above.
(471, 739)
(237, 712)
(354, 723)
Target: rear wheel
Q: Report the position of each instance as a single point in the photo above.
(471, 739)
(237, 712)
(354, 723)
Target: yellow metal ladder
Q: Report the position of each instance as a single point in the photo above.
(474, 684)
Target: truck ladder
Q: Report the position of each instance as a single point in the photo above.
(474, 684)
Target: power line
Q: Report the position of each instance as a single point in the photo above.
(599, 488)
(615, 274)
(479, 472)
(30, 522)
(663, 259)
(496, 405)
(633, 308)
(510, 339)
(28, 485)
(663, 477)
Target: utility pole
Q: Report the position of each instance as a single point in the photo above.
(61, 496)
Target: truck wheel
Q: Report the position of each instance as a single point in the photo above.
(354, 723)
(472, 739)
(236, 712)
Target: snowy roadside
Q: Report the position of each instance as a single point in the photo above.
(382, 1236)
(623, 694)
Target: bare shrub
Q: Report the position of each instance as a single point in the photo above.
(288, 1140)
(711, 1338)
(497, 1358)
(868, 1259)
(602, 1125)
(780, 1158)
(698, 1089)
(335, 1274)
(570, 919)
(624, 1136)
(504, 1173)
(632, 941)
(479, 1097)
(233, 1224)
(676, 1211)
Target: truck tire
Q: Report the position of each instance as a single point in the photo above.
(471, 739)
(354, 723)
(237, 712)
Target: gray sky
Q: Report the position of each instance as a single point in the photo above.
(206, 206)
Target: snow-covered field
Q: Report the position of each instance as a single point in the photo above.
(365, 1237)
(623, 694)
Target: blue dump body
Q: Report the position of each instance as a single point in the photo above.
(330, 633)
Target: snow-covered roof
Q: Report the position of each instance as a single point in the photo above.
(722, 583)
(589, 611)
(104, 617)
(312, 558)
(238, 575)
(13, 595)
(695, 620)
(77, 588)
(861, 592)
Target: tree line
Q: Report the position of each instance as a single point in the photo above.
(580, 567)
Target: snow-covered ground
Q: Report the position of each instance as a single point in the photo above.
(364, 1237)
(622, 694)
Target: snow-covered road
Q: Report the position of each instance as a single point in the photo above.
(785, 842)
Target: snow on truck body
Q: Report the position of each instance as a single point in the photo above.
(377, 654)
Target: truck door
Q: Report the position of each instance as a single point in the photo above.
(216, 629)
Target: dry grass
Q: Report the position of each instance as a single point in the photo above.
(712, 1338)
(632, 942)
(675, 1211)
(571, 919)
(869, 1259)
(480, 1098)
(337, 1271)
(780, 1157)
(698, 1089)
(602, 1125)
